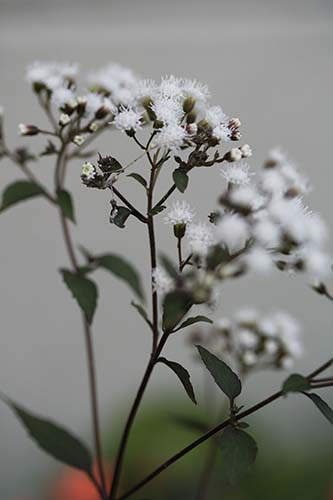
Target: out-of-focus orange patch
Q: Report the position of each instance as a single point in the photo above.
(75, 485)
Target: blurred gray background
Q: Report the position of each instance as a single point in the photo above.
(270, 63)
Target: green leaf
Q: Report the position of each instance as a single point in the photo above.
(141, 180)
(169, 266)
(296, 383)
(239, 451)
(65, 202)
(19, 191)
(84, 292)
(193, 320)
(157, 209)
(180, 178)
(191, 423)
(175, 306)
(322, 406)
(121, 217)
(122, 269)
(183, 376)
(223, 375)
(53, 439)
(142, 313)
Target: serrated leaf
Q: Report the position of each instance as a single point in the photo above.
(295, 383)
(183, 376)
(169, 266)
(223, 375)
(55, 440)
(65, 202)
(84, 292)
(322, 406)
(180, 178)
(239, 451)
(121, 217)
(193, 320)
(19, 191)
(175, 306)
(141, 180)
(158, 209)
(142, 313)
(122, 269)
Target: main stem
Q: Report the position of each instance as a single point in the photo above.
(60, 168)
(156, 346)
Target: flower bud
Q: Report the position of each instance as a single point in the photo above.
(179, 230)
(78, 140)
(28, 129)
(93, 127)
(191, 117)
(233, 155)
(192, 128)
(188, 104)
(246, 151)
(64, 119)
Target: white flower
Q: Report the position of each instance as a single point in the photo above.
(200, 237)
(88, 171)
(168, 111)
(215, 116)
(170, 86)
(259, 260)
(246, 151)
(146, 89)
(64, 119)
(246, 197)
(195, 89)
(171, 136)
(250, 358)
(222, 132)
(235, 154)
(247, 338)
(238, 173)
(128, 119)
(63, 96)
(179, 213)
(317, 263)
(162, 282)
(233, 231)
(267, 233)
(118, 80)
(48, 72)
(271, 346)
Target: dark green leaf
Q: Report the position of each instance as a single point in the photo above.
(53, 439)
(122, 269)
(142, 313)
(156, 210)
(239, 451)
(176, 305)
(141, 180)
(169, 266)
(121, 217)
(83, 290)
(191, 423)
(296, 383)
(19, 191)
(65, 202)
(223, 375)
(180, 178)
(322, 406)
(183, 376)
(193, 320)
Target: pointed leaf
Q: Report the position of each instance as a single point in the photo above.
(157, 209)
(223, 375)
(65, 202)
(121, 217)
(141, 180)
(183, 376)
(239, 451)
(175, 306)
(122, 269)
(53, 439)
(19, 191)
(180, 178)
(142, 313)
(193, 320)
(84, 292)
(296, 383)
(322, 406)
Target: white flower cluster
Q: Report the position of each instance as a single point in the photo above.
(254, 341)
(267, 221)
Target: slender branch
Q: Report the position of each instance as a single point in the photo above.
(211, 433)
(165, 197)
(180, 256)
(135, 212)
(87, 332)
